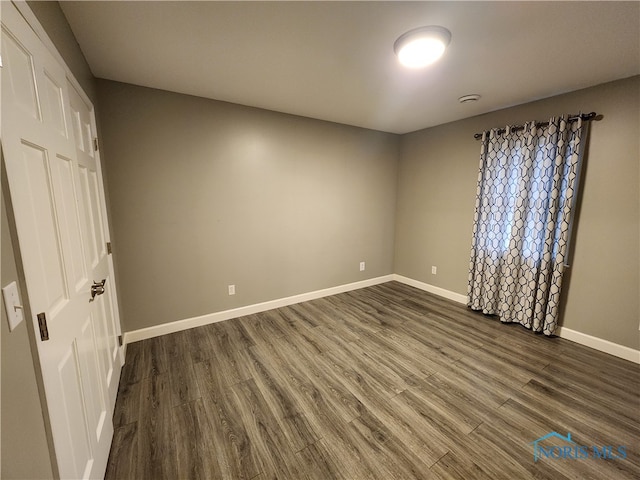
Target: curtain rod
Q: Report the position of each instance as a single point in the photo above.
(515, 128)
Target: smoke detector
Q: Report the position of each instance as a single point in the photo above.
(474, 97)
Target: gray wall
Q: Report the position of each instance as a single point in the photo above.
(24, 448)
(205, 194)
(436, 193)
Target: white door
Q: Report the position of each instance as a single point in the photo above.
(55, 182)
(96, 240)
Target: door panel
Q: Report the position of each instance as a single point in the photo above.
(21, 80)
(39, 223)
(92, 240)
(76, 444)
(54, 110)
(93, 388)
(96, 216)
(69, 221)
(77, 130)
(103, 337)
(56, 189)
(110, 322)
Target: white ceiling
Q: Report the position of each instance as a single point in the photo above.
(334, 60)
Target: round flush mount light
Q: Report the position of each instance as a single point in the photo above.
(422, 46)
(474, 97)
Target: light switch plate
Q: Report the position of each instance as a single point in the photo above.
(11, 301)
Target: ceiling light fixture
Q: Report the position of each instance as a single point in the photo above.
(422, 46)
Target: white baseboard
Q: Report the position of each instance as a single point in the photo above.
(456, 297)
(582, 338)
(578, 337)
(179, 325)
(596, 343)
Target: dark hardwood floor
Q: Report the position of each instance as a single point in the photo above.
(387, 382)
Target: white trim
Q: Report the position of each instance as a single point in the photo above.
(596, 343)
(187, 323)
(456, 297)
(572, 335)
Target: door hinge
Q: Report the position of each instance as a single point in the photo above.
(120, 340)
(42, 325)
(109, 248)
(95, 144)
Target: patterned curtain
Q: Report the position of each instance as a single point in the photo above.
(527, 187)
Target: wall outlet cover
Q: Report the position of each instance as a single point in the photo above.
(12, 305)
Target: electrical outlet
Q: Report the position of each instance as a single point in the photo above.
(232, 289)
(434, 270)
(362, 266)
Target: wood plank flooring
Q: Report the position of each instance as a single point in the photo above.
(387, 382)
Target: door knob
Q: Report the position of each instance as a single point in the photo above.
(97, 289)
